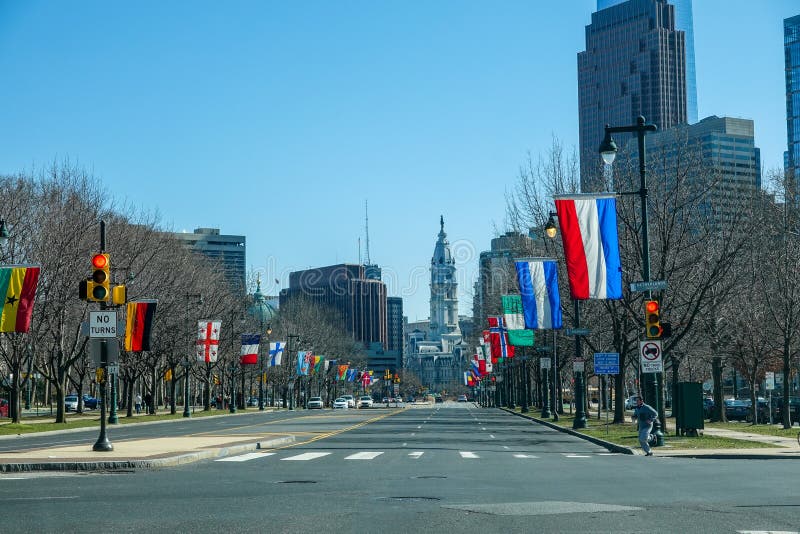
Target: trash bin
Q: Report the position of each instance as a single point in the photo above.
(688, 408)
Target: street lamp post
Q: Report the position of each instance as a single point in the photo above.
(232, 400)
(187, 363)
(261, 377)
(608, 151)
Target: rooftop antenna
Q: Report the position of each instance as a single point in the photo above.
(366, 229)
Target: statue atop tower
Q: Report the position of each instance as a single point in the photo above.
(444, 291)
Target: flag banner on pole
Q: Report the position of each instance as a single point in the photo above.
(275, 353)
(316, 364)
(303, 362)
(591, 246)
(351, 375)
(512, 313)
(341, 372)
(326, 364)
(487, 347)
(18, 286)
(208, 340)
(249, 355)
(139, 324)
(500, 346)
(538, 287)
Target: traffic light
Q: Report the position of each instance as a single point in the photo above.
(98, 287)
(652, 319)
(119, 295)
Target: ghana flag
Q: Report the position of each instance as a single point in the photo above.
(139, 325)
(18, 285)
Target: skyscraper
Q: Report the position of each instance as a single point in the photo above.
(229, 250)
(685, 23)
(791, 49)
(634, 64)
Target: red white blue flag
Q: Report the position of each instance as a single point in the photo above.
(591, 246)
(249, 354)
(538, 287)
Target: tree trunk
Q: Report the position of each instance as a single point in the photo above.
(718, 413)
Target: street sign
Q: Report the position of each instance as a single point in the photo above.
(650, 354)
(770, 380)
(544, 363)
(577, 365)
(606, 363)
(102, 324)
(578, 331)
(103, 351)
(652, 285)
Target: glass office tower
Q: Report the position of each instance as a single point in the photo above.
(685, 23)
(791, 47)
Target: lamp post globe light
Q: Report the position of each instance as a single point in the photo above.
(608, 152)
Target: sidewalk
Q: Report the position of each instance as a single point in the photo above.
(781, 447)
(152, 453)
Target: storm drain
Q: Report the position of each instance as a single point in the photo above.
(296, 482)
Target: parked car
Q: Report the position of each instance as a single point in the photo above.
(365, 401)
(252, 401)
(630, 402)
(90, 403)
(341, 403)
(794, 409)
(462, 398)
(3, 408)
(708, 407)
(71, 403)
(351, 401)
(737, 410)
(314, 403)
(438, 399)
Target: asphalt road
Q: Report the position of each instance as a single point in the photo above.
(444, 468)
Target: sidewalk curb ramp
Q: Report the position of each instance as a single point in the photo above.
(151, 463)
(613, 447)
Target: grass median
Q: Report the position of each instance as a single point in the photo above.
(34, 424)
(627, 435)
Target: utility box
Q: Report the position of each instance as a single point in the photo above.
(688, 408)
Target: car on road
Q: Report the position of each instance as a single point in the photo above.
(90, 403)
(341, 403)
(314, 403)
(630, 402)
(252, 401)
(438, 399)
(365, 401)
(462, 398)
(71, 403)
(351, 401)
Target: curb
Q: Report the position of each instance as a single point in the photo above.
(613, 447)
(157, 463)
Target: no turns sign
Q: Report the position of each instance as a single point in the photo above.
(650, 357)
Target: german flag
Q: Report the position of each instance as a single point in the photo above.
(18, 287)
(139, 325)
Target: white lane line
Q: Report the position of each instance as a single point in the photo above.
(416, 454)
(307, 456)
(419, 426)
(404, 444)
(767, 531)
(466, 454)
(607, 454)
(525, 456)
(245, 457)
(483, 428)
(577, 456)
(491, 436)
(366, 455)
(413, 433)
(505, 446)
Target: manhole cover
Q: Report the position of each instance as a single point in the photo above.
(296, 482)
(430, 476)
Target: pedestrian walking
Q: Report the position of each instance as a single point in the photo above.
(137, 403)
(148, 402)
(645, 415)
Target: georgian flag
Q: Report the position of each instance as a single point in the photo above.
(591, 246)
(249, 355)
(208, 340)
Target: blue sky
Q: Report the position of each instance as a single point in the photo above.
(277, 120)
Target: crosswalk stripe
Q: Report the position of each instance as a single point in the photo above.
(525, 456)
(245, 457)
(577, 456)
(363, 456)
(307, 456)
(465, 454)
(416, 454)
